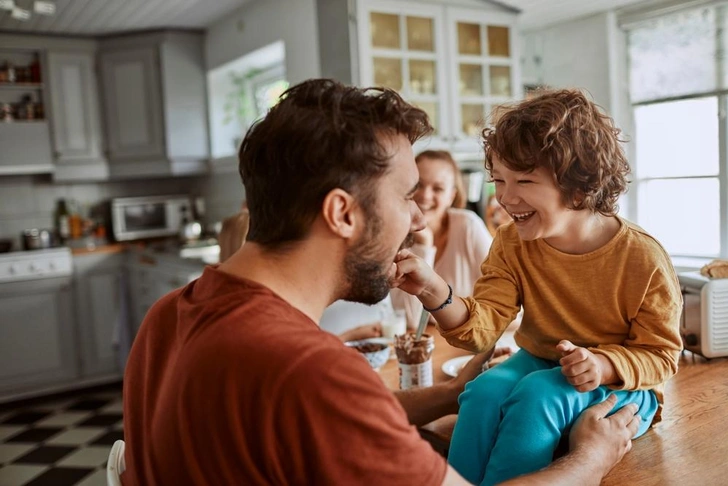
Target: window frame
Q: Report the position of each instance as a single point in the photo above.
(722, 176)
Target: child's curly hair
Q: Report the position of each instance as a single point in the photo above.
(566, 133)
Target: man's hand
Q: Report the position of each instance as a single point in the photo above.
(605, 439)
(584, 369)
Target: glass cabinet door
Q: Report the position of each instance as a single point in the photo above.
(482, 69)
(402, 48)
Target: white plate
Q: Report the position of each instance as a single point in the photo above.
(453, 366)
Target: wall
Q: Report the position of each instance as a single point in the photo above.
(572, 54)
(587, 53)
(30, 201)
(258, 24)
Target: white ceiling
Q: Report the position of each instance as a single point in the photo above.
(90, 17)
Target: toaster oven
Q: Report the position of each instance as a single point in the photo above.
(704, 323)
(135, 218)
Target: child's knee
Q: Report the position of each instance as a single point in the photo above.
(489, 387)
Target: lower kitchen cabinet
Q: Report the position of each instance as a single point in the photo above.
(103, 329)
(37, 336)
(151, 278)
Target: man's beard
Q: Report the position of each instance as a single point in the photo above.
(365, 272)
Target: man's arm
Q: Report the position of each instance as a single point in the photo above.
(597, 443)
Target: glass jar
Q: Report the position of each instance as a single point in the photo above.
(6, 112)
(414, 359)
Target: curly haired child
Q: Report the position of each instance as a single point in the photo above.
(600, 297)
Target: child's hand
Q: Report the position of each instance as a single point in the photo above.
(582, 368)
(413, 274)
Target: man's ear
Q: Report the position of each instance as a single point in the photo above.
(340, 212)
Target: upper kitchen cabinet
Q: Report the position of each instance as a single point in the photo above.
(456, 63)
(77, 134)
(402, 46)
(154, 98)
(483, 68)
(25, 146)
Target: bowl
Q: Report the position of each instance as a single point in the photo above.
(375, 350)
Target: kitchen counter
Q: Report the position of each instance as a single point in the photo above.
(98, 249)
(192, 255)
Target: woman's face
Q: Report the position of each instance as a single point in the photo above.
(436, 190)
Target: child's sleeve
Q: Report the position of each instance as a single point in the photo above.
(650, 354)
(493, 306)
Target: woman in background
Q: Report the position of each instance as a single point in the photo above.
(455, 241)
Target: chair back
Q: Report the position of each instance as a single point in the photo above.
(116, 464)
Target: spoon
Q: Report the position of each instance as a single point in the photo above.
(423, 324)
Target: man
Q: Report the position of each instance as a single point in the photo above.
(230, 380)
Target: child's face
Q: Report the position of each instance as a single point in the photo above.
(533, 200)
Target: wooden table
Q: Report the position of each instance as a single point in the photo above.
(689, 446)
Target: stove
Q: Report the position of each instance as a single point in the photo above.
(35, 264)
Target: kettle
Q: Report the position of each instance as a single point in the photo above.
(189, 230)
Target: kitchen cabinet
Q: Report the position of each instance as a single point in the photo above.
(37, 336)
(155, 106)
(100, 296)
(24, 131)
(455, 63)
(76, 122)
(152, 276)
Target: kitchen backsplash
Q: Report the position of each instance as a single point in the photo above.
(30, 201)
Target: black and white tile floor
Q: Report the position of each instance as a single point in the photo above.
(61, 441)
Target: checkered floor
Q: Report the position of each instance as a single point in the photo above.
(61, 441)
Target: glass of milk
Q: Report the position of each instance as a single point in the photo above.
(394, 324)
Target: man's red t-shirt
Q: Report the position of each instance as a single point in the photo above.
(227, 383)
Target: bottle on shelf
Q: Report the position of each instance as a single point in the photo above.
(63, 225)
(35, 76)
(75, 222)
(10, 70)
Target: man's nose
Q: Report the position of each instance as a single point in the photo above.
(418, 219)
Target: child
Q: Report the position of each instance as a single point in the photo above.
(600, 297)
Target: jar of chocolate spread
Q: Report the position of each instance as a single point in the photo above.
(415, 360)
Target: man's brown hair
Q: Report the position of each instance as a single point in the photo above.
(322, 135)
(563, 131)
(460, 196)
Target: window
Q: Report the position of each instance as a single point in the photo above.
(679, 97)
(242, 91)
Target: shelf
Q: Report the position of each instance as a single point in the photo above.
(21, 86)
(16, 122)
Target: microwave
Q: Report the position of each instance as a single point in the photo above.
(704, 322)
(135, 218)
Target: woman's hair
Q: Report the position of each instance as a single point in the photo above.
(322, 135)
(460, 196)
(566, 133)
